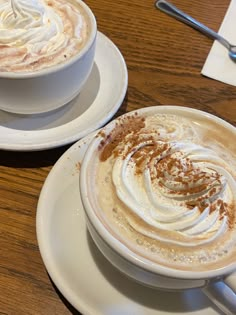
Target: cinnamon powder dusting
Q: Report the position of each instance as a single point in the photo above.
(148, 153)
(231, 215)
(227, 210)
(78, 166)
(124, 126)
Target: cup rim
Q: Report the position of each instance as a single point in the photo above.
(67, 63)
(114, 243)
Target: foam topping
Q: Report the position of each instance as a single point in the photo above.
(37, 34)
(172, 188)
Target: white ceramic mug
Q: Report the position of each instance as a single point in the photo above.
(50, 88)
(130, 263)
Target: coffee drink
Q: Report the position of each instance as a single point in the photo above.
(165, 187)
(39, 34)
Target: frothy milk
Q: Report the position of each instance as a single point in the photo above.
(39, 34)
(166, 187)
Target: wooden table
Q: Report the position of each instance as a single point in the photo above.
(164, 59)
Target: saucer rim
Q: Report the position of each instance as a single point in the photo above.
(54, 143)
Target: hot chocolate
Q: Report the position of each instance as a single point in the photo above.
(165, 187)
(41, 33)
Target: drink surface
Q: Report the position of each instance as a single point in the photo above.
(166, 187)
(38, 34)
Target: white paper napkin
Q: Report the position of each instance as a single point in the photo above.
(218, 65)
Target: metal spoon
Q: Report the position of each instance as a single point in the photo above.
(170, 9)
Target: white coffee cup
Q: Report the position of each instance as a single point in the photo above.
(129, 262)
(32, 92)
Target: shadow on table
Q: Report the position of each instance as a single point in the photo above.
(33, 159)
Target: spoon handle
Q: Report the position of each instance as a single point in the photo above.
(170, 9)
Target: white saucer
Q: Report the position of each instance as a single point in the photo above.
(78, 269)
(97, 103)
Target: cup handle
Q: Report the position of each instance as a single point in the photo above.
(222, 294)
(230, 280)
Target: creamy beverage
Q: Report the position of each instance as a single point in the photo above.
(37, 34)
(165, 187)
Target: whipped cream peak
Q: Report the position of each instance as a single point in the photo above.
(24, 8)
(170, 192)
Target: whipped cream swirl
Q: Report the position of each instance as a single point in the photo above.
(38, 34)
(178, 192)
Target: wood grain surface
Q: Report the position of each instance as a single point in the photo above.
(164, 60)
